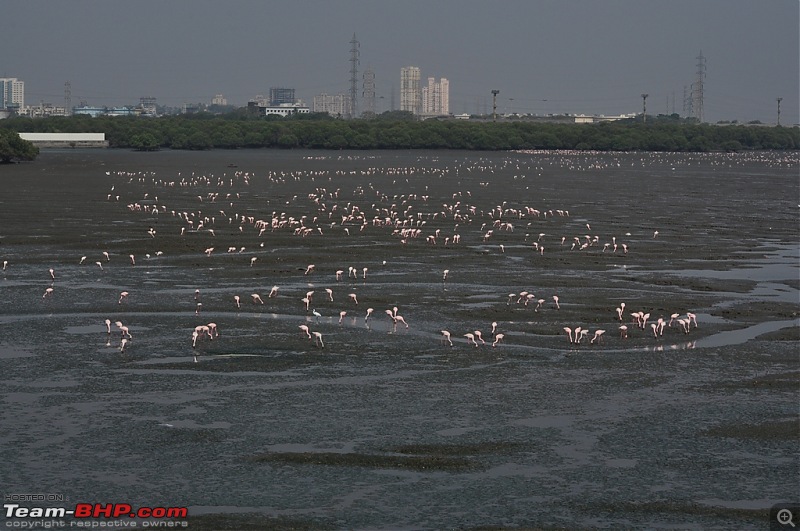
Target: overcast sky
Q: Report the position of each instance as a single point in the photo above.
(544, 56)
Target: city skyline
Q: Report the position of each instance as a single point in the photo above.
(544, 57)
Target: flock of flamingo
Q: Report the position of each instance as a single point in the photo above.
(209, 209)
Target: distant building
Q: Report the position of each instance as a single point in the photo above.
(410, 93)
(147, 104)
(43, 110)
(285, 109)
(436, 97)
(60, 140)
(333, 104)
(12, 94)
(219, 99)
(278, 96)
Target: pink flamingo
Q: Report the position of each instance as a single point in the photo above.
(108, 325)
(623, 332)
(401, 319)
(341, 316)
(354, 298)
(304, 328)
(568, 330)
(497, 339)
(309, 269)
(256, 298)
(329, 291)
(555, 300)
(47, 292)
(479, 335)
(446, 337)
(236, 298)
(212, 330)
(122, 297)
(471, 339)
(273, 292)
(598, 336)
(369, 312)
(318, 339)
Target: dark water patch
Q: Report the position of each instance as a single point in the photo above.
(780, 430)
(665, 512)
(778, 381)
(255, 522)
(418, 463)
(459, 450)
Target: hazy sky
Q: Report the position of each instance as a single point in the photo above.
(544, 56)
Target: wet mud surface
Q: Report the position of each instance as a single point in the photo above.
(377, 424)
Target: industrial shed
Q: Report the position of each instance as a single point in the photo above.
(60, 140)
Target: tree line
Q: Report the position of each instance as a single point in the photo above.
(398, 130)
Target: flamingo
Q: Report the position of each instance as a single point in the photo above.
(309, 269)
(304, 328)
(598, 336)
(555, 300)
(318, 339)
(354, 298)
(108, 325)
(238, 303)
(52, 274)
(568, 330)
(446, 337)
(623, 332)
(471, 339)
(47, 292)
(329, 291)
(341, 316)
(256, 298)
(273, 292)
(400, 318)
(369, 312)
(122, 296)
(497, 339)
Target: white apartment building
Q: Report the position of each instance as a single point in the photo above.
(333, 104)
(410, 93)
(436, 97)
(219, 99)
(12, 93)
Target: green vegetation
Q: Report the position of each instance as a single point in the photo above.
(398, 130)
(13, 148)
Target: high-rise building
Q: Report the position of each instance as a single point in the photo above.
(219, 99)
(278, 95)
(12, 93)
(436, 97)
(334, 104)
(410, 93)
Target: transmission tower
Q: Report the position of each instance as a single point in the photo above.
(687, 101)
(644, 107)
(697, 88)
(354, 45)
(68, 98)
(369, 91)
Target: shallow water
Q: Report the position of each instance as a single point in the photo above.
(619, 433)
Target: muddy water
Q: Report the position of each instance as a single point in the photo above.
(387, 426)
